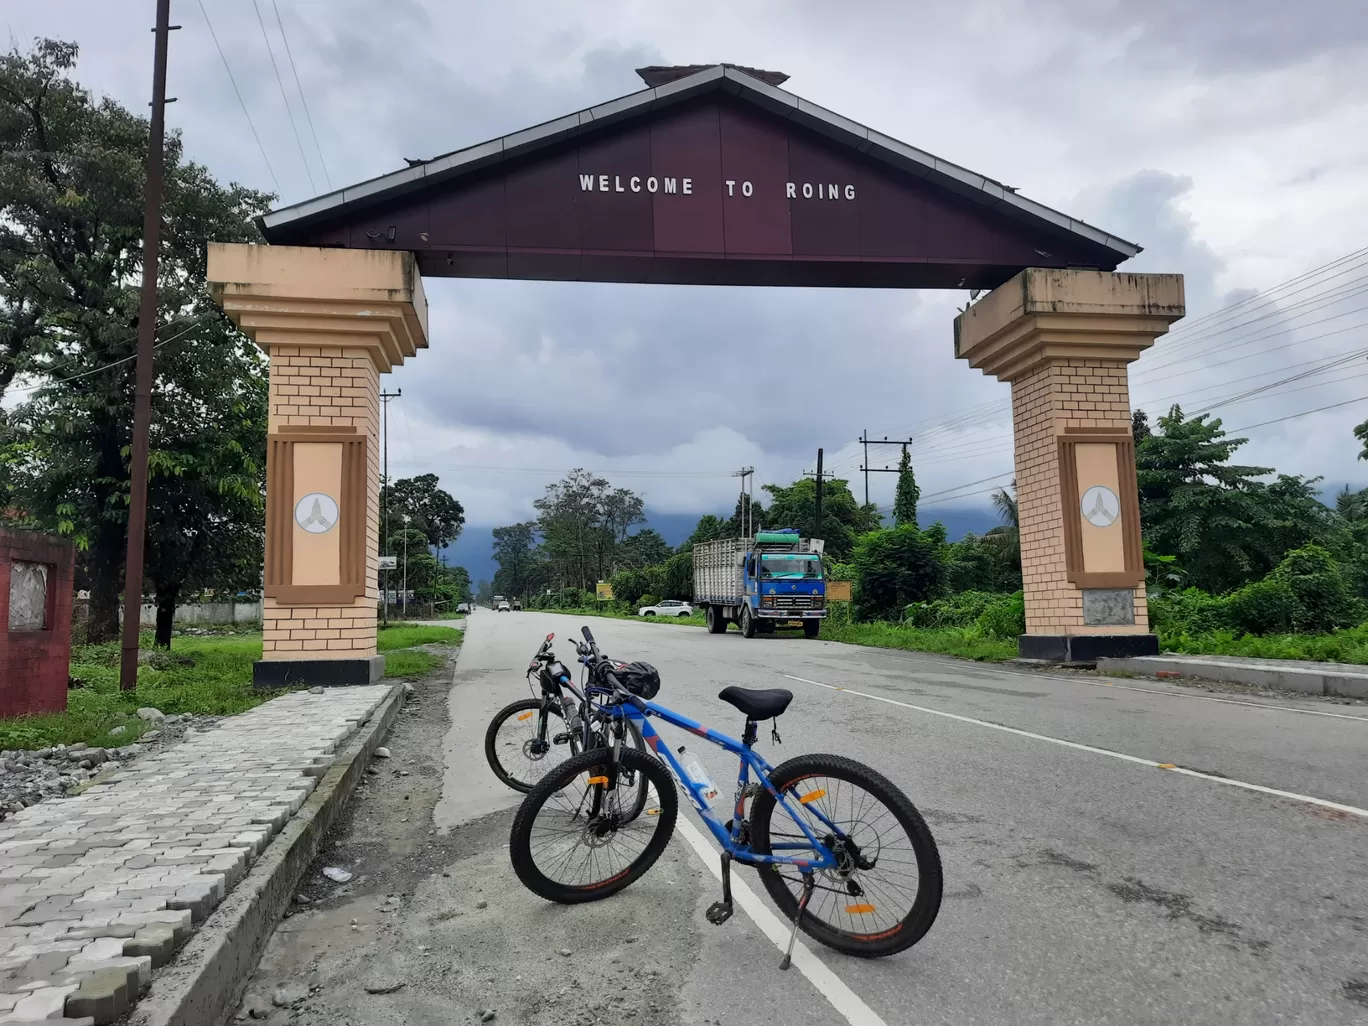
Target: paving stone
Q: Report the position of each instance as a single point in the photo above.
(97, 888)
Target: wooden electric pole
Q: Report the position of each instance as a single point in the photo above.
(143, 376)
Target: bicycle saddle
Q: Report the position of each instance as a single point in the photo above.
(758, 703)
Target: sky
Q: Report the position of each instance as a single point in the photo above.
(1229, 138)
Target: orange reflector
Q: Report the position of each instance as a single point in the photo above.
(858, 910)
(811, 796)
(527, 715)
(598, 780)
(653, 812)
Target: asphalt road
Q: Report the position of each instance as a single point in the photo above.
(1084, 884)
(1081, 887)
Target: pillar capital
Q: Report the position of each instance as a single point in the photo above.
(308, 296)
(1045, 315)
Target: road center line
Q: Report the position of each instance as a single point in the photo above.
(1308, 799)
(819, 974)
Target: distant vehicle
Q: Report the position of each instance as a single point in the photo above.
(503, 607)
(772, 581)
(670, 607)
(463, 607)
(517, 604)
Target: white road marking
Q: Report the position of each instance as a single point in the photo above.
(1308, 799)
(819, 974)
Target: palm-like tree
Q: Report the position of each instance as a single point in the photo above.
(1005, 503)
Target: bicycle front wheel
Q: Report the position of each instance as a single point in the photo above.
(522, 746)
(885, 890)
(576, 836)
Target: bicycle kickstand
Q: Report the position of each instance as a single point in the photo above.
(720, 911)
(809, 883)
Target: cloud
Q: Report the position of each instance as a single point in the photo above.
(1224, 137)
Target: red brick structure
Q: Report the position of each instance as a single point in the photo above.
(36, 572)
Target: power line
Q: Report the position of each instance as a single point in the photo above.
(289, 114)
(107, 366)
(1294, 416)
(238, 92)
(302, 99)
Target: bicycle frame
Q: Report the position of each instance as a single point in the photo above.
(731, 840)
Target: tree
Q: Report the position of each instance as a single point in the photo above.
(709, 528)
(582, 521)
(71, 220)
(1005, 502)
(843, 519)
(905, 499)
(1224, 526)
(748, 513)
(645, 548)
(514, 552)
(429, 509)
(1140, 426)
(895, 567)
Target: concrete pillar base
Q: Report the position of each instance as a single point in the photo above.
(328, 673)
(1085, 648)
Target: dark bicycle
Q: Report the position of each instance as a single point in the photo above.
(530, 737)
(840, 849)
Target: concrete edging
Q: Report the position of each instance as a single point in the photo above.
(1308, 680)
(205, 979)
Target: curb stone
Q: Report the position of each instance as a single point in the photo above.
(206, 980)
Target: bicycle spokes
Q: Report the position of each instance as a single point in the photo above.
(590, 831)
(873, 885)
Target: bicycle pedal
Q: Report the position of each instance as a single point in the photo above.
(719, 912)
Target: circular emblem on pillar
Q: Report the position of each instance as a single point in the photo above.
(1100, 506)
(316, 513)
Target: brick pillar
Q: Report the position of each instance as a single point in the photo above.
(331, 321)
(1063, 339)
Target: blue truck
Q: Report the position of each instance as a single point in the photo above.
(771, 582)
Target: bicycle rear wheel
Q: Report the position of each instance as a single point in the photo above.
(885, 892)
(576, 838)
(521, 745)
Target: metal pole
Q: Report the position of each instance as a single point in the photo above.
(818, 532)
(147, 330)
(385, 398)
(864, 439)
(406, 523)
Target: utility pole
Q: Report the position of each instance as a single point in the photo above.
(745, 474)
(147, 331)
(866, 441)
(385, 398)
(406, 523)
(817, 530)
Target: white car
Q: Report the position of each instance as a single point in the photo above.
(670, 607)
(504, 607)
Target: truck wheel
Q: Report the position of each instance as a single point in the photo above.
(747, 623)
(811, 627)
(717, 623)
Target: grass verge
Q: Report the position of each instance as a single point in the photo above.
(1347, 646)
(201, 675)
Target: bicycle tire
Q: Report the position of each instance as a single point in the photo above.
(504, 773)
(779, 881)
(565, 778)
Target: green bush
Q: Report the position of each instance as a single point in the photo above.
(1190, 611)
(1262, 607)
(647, 600)
(1321, 594)
(1005, 617)
(959, 610)
(894, 567)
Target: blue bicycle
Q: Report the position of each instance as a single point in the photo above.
(841, 850)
